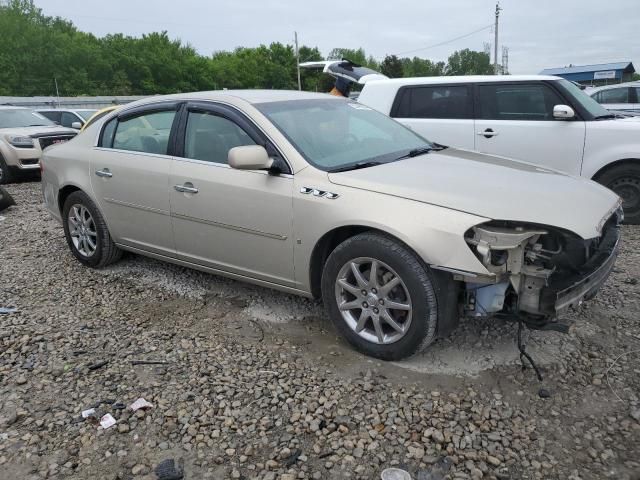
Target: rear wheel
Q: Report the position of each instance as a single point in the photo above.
(86, 232)
(380, 296)
(6, 175)
(624, 180)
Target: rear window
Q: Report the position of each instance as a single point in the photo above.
(440, 101)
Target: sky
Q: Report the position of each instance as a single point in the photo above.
(539, 34)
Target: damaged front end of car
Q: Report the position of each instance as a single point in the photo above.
(537, 272)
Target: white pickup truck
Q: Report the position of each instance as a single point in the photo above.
(539, 119)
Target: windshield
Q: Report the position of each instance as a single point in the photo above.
(335, 133)
(86, 114)
(588, 103)
(19, 117)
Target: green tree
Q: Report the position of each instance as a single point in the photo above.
(392, 67)
(469, 62)
(421, 67)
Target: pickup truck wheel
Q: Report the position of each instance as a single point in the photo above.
(625, 181)
(380, 296)
(86, 232)
(6, 176)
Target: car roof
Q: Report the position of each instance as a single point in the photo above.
(249, 96)
(635, 83)
(66, 109)
(464, 79)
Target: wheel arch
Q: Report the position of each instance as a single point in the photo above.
(331, 239)
(447, 289)
(64, 193)
(612, 165)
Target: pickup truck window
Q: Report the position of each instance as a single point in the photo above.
(440, 101)
(517, 101)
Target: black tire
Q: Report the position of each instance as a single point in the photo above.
(106, 251)
(6, 174)
(624, 179)
(417, 278)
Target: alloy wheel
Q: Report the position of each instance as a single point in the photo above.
(82, 230)
(373, 300)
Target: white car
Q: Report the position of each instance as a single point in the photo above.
(71, 118)
(622, 96)
(539, 119)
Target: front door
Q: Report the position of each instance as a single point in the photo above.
(130, 178)
(237, 221)
(516, 120)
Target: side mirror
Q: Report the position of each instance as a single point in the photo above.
(76, 125)
(563, 112)
(249, 157)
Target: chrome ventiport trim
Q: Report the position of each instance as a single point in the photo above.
(319, 193)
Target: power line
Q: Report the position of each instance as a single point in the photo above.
(486, 27)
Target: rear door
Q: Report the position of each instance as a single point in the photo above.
(130, 177)
(440, 113)
(237, 221)
(515, 119)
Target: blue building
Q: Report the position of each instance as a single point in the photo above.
(595, 75)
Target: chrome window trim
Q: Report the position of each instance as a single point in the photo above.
(115, 113)
(133, 152)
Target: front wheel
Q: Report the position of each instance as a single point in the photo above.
(86, 232)
(380, 296)
(624, 180)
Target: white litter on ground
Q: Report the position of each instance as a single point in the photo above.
(107, 421)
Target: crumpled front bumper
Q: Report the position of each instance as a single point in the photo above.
(560, 295)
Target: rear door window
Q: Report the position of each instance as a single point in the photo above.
(442, 101)
(147, 133)
(517, 101)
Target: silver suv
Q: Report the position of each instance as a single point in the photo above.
(324, 197)
(24, 134)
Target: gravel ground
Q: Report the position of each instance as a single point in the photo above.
(252, 383)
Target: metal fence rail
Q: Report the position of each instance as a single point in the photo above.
(68, 102)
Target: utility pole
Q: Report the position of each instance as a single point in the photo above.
(55, 80)
(495, 42)
(298, 61)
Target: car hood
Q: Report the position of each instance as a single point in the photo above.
(38, 131)
(491, 187)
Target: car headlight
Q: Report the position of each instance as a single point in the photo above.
(21, 141)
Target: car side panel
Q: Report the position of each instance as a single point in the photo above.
(436, 234)
(72, 169)
(608, 141)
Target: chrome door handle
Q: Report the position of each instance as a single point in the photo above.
(105, 173)
(488, 133)
(186, 188)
